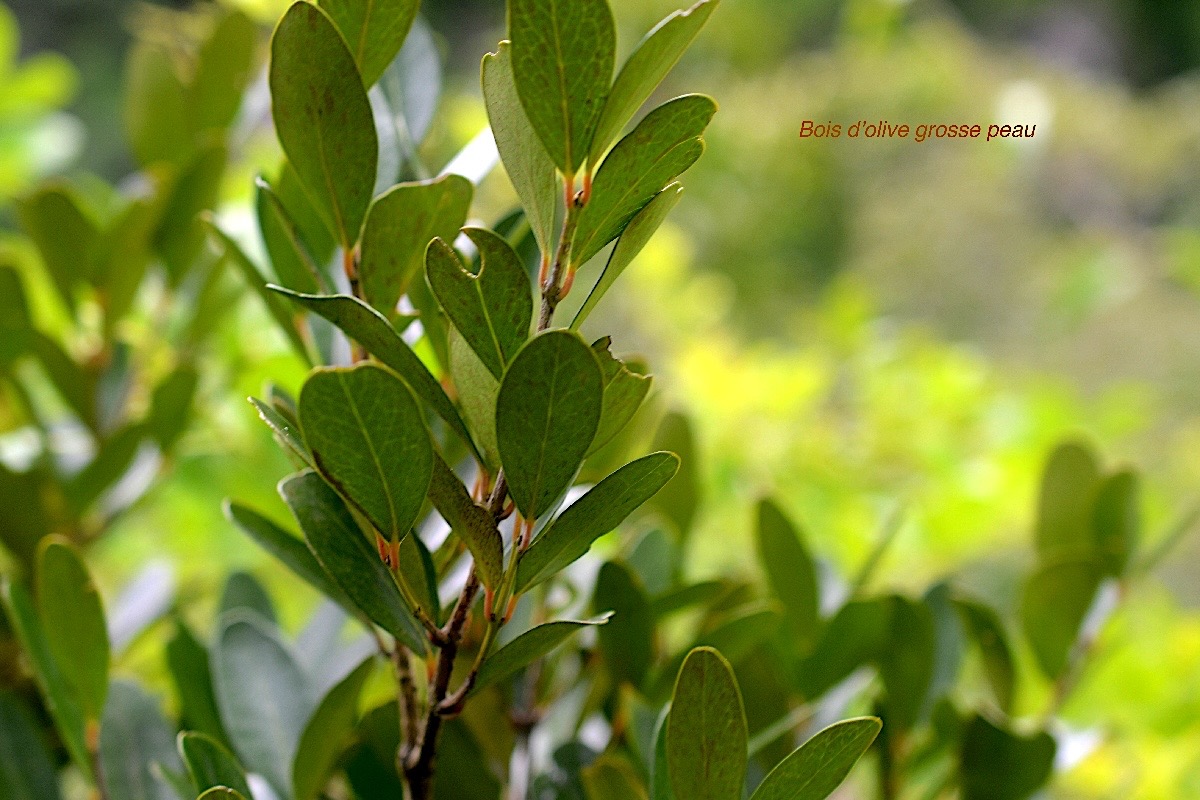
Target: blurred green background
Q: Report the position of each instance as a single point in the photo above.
(861, 327)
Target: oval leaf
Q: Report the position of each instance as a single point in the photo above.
(470, 522)
(73, 619)
(706, 730)
(323, 118)
(791, 573)
(627, 641)
(547, 413)
(368, 438)
(210, 765)
(375, 30)
(1055, 602)
(527, 648)
(133, 738)
(624, 391)
(328, 733)
(602, 509)
(997, 764)
(819, 766)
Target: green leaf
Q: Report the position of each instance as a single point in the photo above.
(418, 573)
(286, 434)
(906, 662)
(133, 738)
(464, 771)
(1055, 601)
(64, 236)
(999, 665)
(662, 146)
(294, 265)
(369, 328)
(264, 697)
(222, 793)
(339, 546)
(223, 70)
(563, 52)
(602, 509)
(400, 225)
(179, 237)
(1116, 521)
(61, 700)
(73, 620)
(289, 549)
(477, 389)
(627, 640)
(527, 648)
(122, 255)
(791, 573)
(15, 322)
(647, 65)
(323, 118)
(171, 406)
(738, 633)
(244, 592)
(679, 498)
(547, 413)
(855, 636)
(635, 237)
(188, 662)
(624, 391)
(492, 310)
(209, 764)
(156, 111)
(328, 733)
(374, 29)
(26, 771)
(112, 461)
(254, 277)
(997, 764)
(660, 773)
(77, 387)
(1064, 519)
(529, 168)
(471, 523)
(612, 778)
(706, 730)
(819, 766)
(368, 438)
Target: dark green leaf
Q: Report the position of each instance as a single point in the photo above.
(328, 734)
(369, 328)
(663, 145)
(374, 29)
(546, 417)
(647, 65)
(171, 406)
(477, 391)
(471, 523)
(854, 637)
(264, 697)
(529, 168)
(77, 387)
(223, 69)
(791, 573)
(73, 621)
(293, 263)
(64, 237)
(706, 730)
(179, 237)
(624, 391)
(635, 237)
(188, 662)
(133, 738)
(1069, 485)
(463, 767)
(339, 546)
(419, 575)
(660, 774)
(110, 464)
(243, 591)
(492, 310)
(1055, 602)
(1116, 521)
(906, 663)
(368, 438)
(286, 434)
(563, 53)
(527, 648)
(15, 322)
(999, 666)
(997, 764)
(627, 640)
(738, 633)
(400, 225)
(820, 765)
(122, 255)
(26, 771)
(323, 118)
(602, 509)
(949, 644)
(209, 764)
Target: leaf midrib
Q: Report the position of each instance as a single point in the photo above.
(374, 455)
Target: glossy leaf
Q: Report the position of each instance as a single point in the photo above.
(492, 310)
(418, 573)
(369, 328)
(662, 146)
(368, 438)
(375, 30)
(527, 648)
(1055, 601)
(563, 53)
(525, 161)
(624, 392)
(209, 764)
(602, 509)
(323, 118)
(820, 765)
(328, 733)
(635, 237)
(73, 620)
(294, 265)
(470, 522)
(627, 640)
(791, 573)
(26, 771)
(133, 738)
(400, 225)
(344, 553)
(706, 730)
(264, 697)
(547, 413)
(997, 764)
(655, 55)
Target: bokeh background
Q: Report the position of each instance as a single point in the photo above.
(863, 328)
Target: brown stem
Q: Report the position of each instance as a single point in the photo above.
(407, 700)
